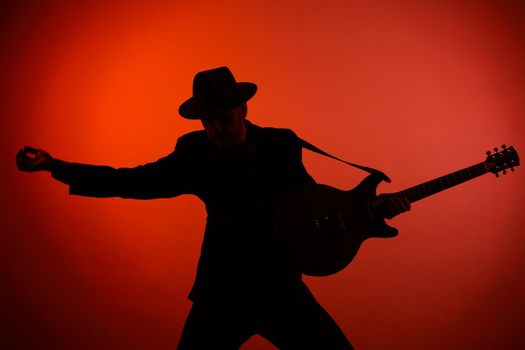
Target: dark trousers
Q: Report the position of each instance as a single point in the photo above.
(294, 322)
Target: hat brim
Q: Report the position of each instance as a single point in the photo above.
(192, 109)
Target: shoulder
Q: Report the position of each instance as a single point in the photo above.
(277, 134)
(197, 136)
(192, 141)
(281, 143)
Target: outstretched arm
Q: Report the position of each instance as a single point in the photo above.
(166, 177)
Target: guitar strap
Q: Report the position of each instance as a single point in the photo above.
(309, 146)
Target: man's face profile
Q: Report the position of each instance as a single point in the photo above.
(226, 129)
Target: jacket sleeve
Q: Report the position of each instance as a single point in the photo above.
(169, 176)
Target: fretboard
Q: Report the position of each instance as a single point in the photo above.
(441, 183)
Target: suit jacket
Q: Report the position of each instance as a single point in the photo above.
(241, 189)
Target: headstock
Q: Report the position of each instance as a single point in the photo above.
(501, 160)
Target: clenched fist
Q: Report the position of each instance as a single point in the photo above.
(33, 159)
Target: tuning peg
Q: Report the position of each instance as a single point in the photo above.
(504, 172)
(488, 153)
(504, 146)
(497, 174)
(495, 149)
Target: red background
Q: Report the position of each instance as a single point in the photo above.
(418, 89)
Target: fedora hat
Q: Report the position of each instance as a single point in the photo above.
(215, 90)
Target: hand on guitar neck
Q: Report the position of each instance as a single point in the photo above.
(393, 206)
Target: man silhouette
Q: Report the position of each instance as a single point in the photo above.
(240, 171)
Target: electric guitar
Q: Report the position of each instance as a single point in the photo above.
(321, 228)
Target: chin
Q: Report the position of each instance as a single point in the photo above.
(223, 145)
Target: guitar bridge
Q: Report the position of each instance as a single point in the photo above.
(318, 226)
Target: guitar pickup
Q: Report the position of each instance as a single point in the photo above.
(331, 225)
(341, 221)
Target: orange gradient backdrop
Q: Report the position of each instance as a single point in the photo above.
(417, 89)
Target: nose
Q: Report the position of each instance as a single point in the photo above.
(216, 127)
(216, 124)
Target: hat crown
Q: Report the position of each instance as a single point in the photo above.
(215, 87)
(213, 90)
(213, 82)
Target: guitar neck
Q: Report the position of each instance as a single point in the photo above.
(439, 184)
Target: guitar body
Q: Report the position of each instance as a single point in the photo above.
(322, 228)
